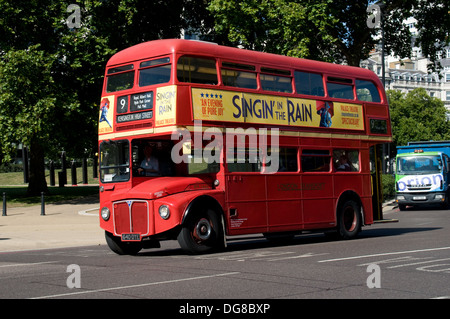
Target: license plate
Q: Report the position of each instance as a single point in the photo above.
(131, 237)
(419, 198)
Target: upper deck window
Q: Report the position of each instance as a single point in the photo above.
(367, 91)
(276, 80)
(155, 71)
(197, 70)
(309, 83)
(239, 75)
(340, 88)
(120, 78)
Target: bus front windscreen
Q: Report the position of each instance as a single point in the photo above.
(114, 161)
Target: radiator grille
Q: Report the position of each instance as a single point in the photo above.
(131, 216)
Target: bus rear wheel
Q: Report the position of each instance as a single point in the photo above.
(202, 232)
(120, 247)
(349, 220)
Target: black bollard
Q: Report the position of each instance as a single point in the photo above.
(42, 204)
(63, 167)
(61, 179)
(85, 173)
(4, 204)
(74, 173)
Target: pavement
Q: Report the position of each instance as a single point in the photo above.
(67, 224)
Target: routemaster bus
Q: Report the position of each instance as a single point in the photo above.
(199, 142)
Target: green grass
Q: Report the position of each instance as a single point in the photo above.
(17, 196)
(16, 178)
(12, 184)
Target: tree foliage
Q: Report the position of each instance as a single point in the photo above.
(416, 116)
(26, 105)
(50, 77)
(277, 26)
(51, 74)
(335, 31)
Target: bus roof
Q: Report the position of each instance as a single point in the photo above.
(162, 47)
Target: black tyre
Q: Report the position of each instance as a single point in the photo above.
(120, 247)
(349, 220)
(202, 232)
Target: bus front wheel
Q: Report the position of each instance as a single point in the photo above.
(202, 232)
(349, 220)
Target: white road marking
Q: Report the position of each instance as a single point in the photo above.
(295, 257)
(134, 286)
(419, 263)
(85, 212)
(384, 254)
(28, 264)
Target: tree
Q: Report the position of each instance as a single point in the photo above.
(49, 77)
(335, 31)
(416, 116)
(51, 73)
(277, 26)
(26, 106)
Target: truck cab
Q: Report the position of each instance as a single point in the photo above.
(422, 174)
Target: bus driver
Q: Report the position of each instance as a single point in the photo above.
(149, 165)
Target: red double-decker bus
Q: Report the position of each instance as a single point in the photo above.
(198, 142)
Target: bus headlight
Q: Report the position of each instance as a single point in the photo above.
(164, 211)
(105, 213)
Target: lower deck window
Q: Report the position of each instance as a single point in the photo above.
(288, 160)
(243, 160)
(346, 160)
(315, 161)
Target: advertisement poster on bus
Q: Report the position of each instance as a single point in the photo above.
(165, 105)
(106, 117)
(229, 106)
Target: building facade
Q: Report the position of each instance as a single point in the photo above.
(408, 74)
